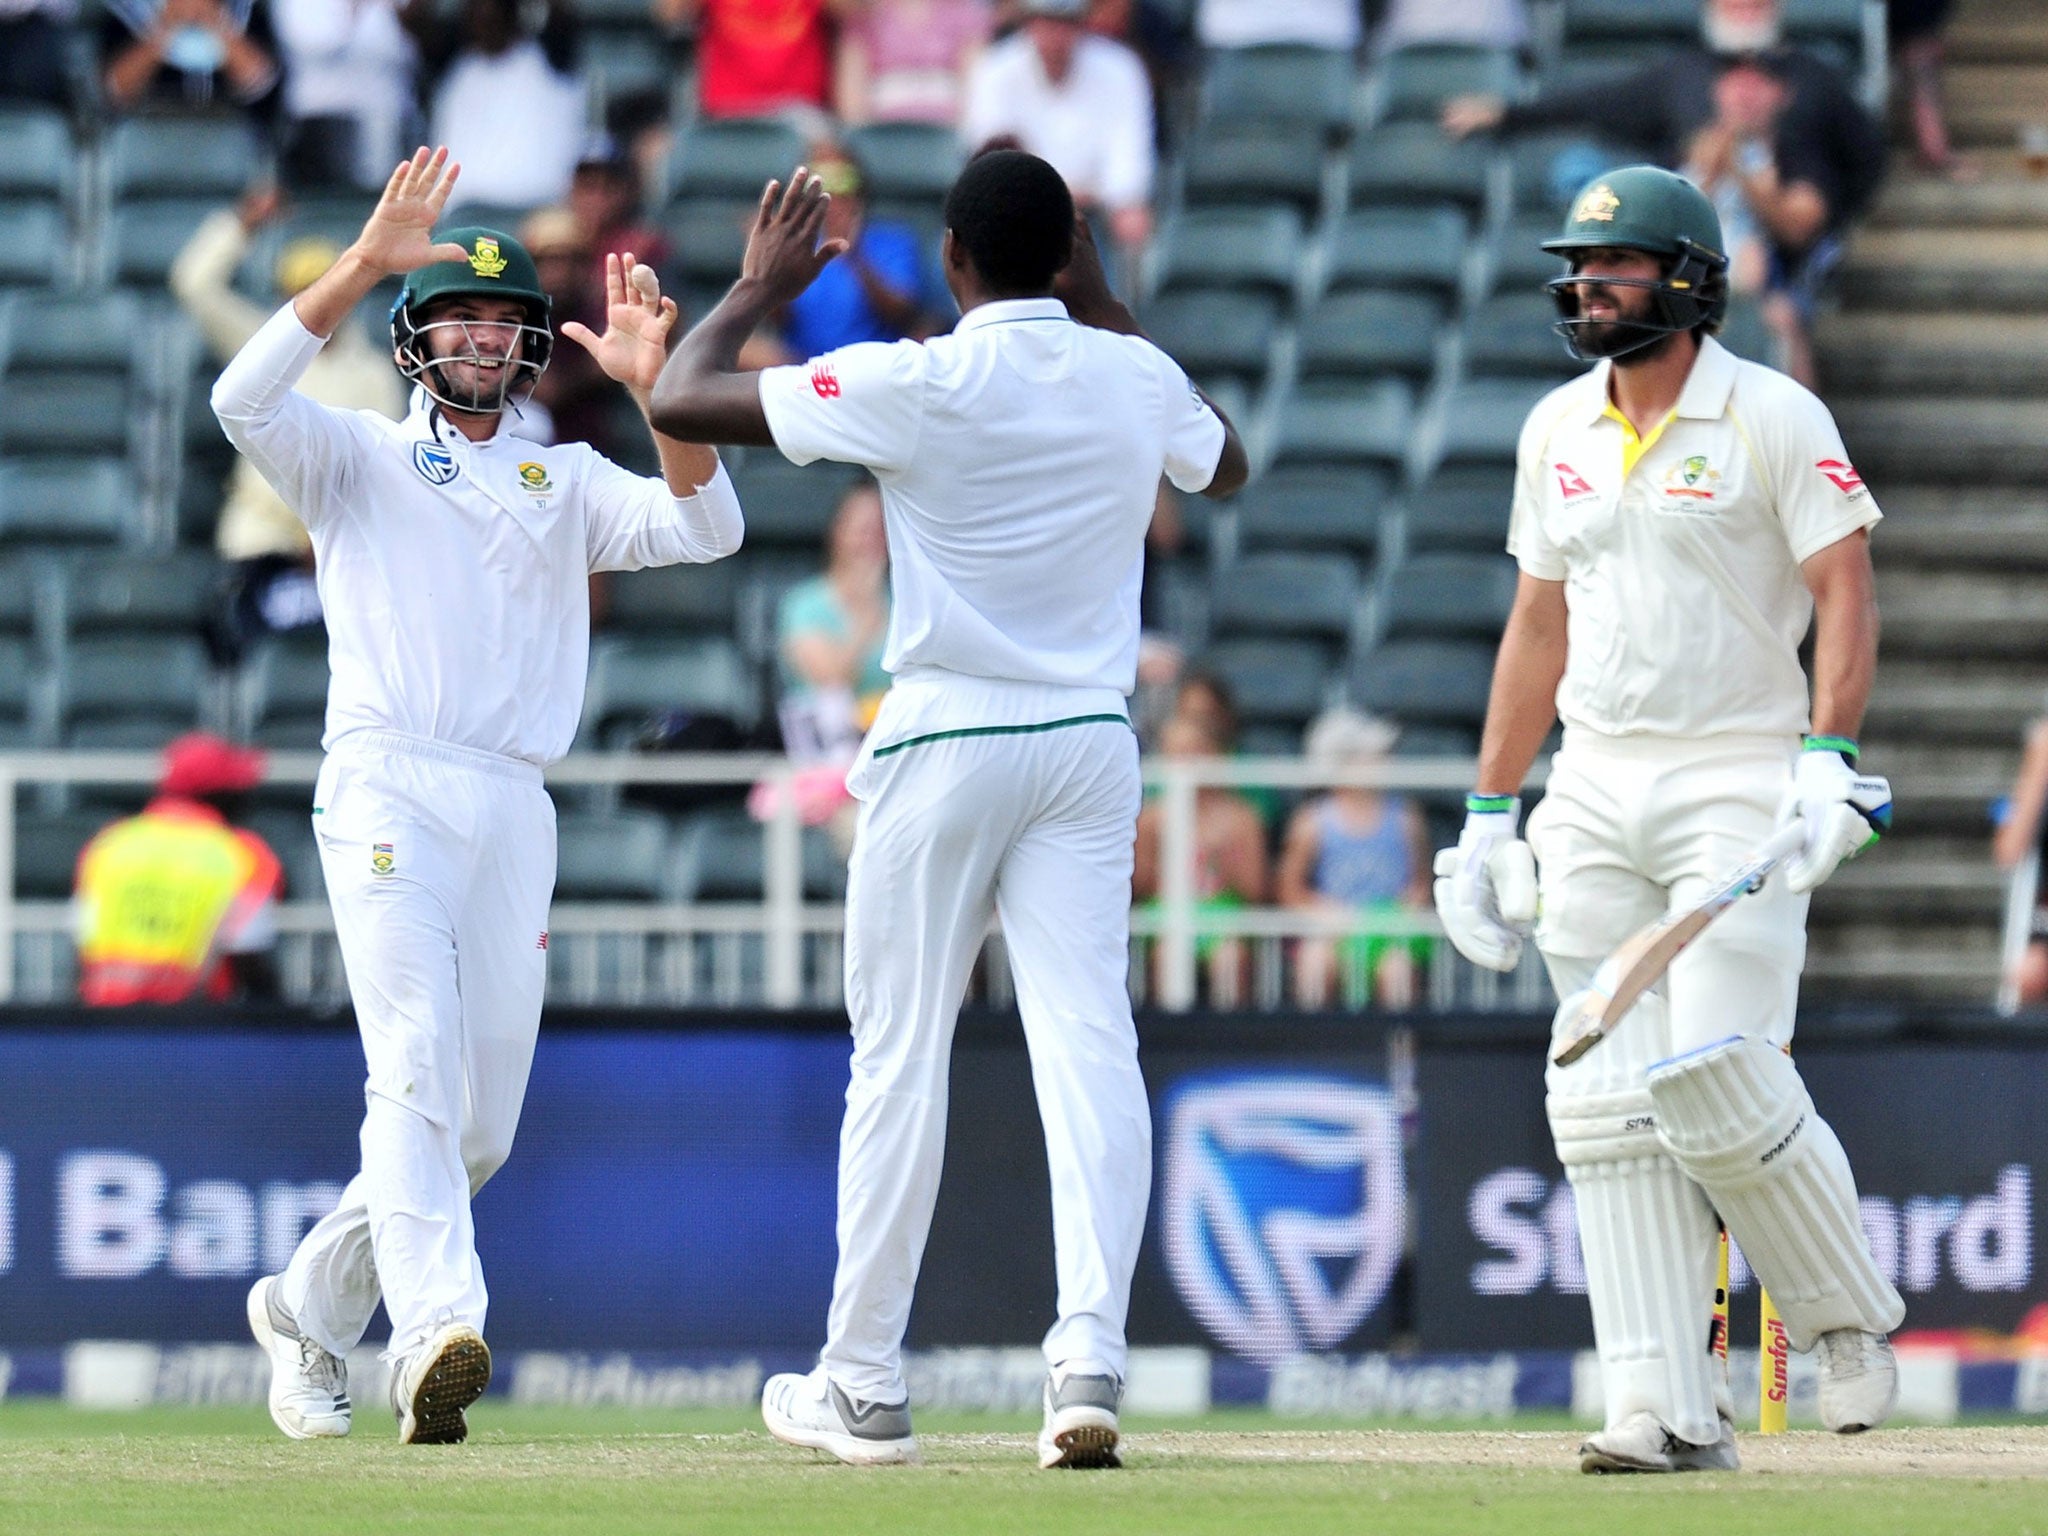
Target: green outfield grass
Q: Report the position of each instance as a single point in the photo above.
(620, 1473)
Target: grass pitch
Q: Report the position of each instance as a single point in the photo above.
(620, 1473)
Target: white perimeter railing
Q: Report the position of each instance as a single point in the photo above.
(783, 951)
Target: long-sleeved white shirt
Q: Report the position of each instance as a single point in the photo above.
(454, 574)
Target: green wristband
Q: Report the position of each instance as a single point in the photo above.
(1489, 805)
(1841, 744)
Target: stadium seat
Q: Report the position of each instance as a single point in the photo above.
(21, 597)
(633, 679)
(178, 156)
(721, 856)
(1284, 594)
(710, 238)
(335, 217)
(1399, 248)
(1667, 23)
(1232, 248)
(143, 239)
(674, 599)
(162, 593)
(66, 411)
(131, 691)
(1517, 261)
(504, 217)
(1272, 681)
(1279, 84)
(289, 832)
(1425, 682)
(1744, 332)
(1256, 162)
(1436, 741)
(286, 687)
(46, 850)
(17, 691)
(36, 156)
(1367, 332)
(1416, 82)
(33, 242)
(1416, 163)
(64, 499)
(621, 855)
(915, 162)
(1546, 170)
(1511, 333)
(101, 332)
(732, 157)
(1369, 421)
(1335, 510)
(1213, 332)
(1448, 597)
(619, 61)
(1461, 508)
(1483, 418)
(790, 506)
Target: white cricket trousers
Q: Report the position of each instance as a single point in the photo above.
(439, 862)
(1035, 826)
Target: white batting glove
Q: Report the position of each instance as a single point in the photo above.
(1486, 886)
(1843, 812)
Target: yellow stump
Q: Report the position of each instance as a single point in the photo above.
(1717, 1339)
(1773, 1370)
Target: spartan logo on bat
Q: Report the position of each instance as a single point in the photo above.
(1282, 1207)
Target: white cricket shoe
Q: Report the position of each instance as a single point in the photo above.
(308, 1386)
(1859, 1380)
(1641, 1443)
(1080, 1421)
(432, 1386)
(815, 1412)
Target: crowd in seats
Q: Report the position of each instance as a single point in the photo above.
(1330, 213)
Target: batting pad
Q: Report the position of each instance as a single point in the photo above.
(1647, 1233)
(1736, 1117)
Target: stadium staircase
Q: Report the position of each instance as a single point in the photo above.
(1933, 367)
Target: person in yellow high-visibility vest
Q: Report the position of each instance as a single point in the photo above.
(177, 903)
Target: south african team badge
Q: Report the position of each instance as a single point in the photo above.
(535, 478)
(381, 860)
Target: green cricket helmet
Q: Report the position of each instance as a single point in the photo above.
(497, 267)
(1643, 208)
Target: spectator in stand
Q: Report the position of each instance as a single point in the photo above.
(830, 632)
(32, 34)
(179, 904)
(1917, 47)
(184, 54)
(508, 104)
(1078, 100)
(579, 397)
(1787, 132)
(908, 61)
(2022, 830)
(1355, 853)
(757, 58)
(606, 196)
(350, 75)
(1468, 23)
(1265, 23)
(874, 292)
(1231, 869)
(270, 586)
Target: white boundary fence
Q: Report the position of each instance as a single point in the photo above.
(784, 951)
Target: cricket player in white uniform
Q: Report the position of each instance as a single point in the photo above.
(1679, 516)
(454, 558)
(1019, 460)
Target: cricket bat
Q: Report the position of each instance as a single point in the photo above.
(1645, 955)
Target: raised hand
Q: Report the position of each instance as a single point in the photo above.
(784, 255)
(638, 319)
(399, 236)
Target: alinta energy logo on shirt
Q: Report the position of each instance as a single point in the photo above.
(435, 463)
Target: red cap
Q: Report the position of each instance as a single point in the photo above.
(199, 764)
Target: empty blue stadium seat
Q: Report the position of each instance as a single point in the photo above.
(1422, 247)
(1283, 84)
(1284, 594)
(1448, 596)
(1370, 422)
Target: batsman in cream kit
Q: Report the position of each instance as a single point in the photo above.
(454, 557)
(1679, 517)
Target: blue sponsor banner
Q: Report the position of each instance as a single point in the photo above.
(665, 1192)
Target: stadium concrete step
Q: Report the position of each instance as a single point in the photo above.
(1947, 878)
(1928, 526)
(1983, 441)
(2007, 196)
(1947, 266)
(1925, 961)
(1972, 701)
(1876, 353)
(1942, 789)
(1963, 613)
(1989, 103)
(2005, 38)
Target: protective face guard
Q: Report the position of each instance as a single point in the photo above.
(523, 369)
(1693, 292)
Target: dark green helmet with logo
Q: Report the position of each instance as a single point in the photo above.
(1643, 208)
(497, 267)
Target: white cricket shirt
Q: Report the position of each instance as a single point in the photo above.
(1094, 127)
(454, 575)
(1019, 460)
(1682, 573)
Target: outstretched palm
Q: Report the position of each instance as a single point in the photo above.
(399, 236)
(637, 322)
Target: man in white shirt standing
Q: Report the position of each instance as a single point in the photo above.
(454, 559)
(1019, 460)
(1076, 99)
(1679, 517)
